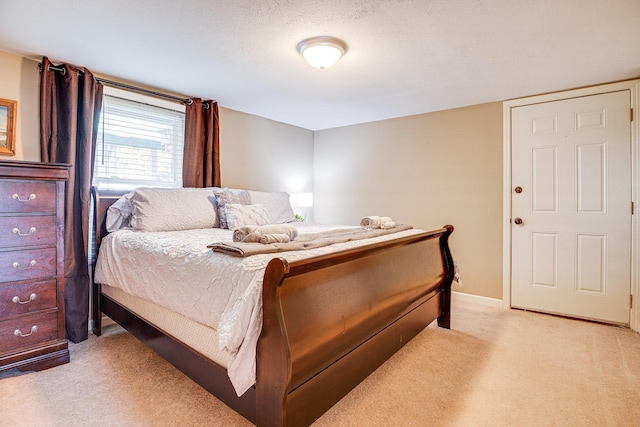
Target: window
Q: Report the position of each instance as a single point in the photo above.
(140, 142)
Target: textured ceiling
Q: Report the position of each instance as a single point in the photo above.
(404, 56)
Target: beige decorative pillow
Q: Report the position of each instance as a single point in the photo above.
(240, 215)
(226, 196)
(172, 209)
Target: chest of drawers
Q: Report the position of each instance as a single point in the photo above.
(32, 326)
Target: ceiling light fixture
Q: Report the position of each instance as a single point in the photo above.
(322, 51)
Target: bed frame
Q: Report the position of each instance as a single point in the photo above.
(329, 322)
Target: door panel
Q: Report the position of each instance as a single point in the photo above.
(544, 183)
(544, 259)
(571, 253)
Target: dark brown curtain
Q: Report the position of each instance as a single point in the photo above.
(70, 104)
(201, 161)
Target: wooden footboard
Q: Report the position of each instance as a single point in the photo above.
(331, 321)
(328, 322)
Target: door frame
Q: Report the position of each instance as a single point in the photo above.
(634, 87)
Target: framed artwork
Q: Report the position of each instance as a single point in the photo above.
(8, 113)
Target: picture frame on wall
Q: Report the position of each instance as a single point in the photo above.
(8, 113)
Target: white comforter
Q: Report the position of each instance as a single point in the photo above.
(177, 271)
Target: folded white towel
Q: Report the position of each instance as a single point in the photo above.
(274, 238)
(253, 233)
(374, 222)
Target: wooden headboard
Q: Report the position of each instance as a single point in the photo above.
(102, 199)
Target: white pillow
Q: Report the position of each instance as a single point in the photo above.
(277, 203)
(119, 214)
(171, 209)
(239, 215)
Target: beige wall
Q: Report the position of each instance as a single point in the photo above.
(426, 170)
(19, 81)
(261, 154)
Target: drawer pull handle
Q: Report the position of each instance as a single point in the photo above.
(32, 263)
(16, 299)
(17, 231)
(19, 333)
(16, 197)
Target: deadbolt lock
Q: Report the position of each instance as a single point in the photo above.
(518, 190)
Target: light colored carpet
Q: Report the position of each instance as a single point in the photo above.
(493, 368)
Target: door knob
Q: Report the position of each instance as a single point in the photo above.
(518, 190)
(518, 221)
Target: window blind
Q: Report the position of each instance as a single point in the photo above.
(139, 144)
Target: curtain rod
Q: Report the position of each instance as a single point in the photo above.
(187, 101)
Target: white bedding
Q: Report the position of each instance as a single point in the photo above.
(177, 271)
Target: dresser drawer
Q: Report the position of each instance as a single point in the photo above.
(28, 330)
(27, 264)
(25, 298)
(18, 231)
(27, 196)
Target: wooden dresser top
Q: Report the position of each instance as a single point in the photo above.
(33, 170)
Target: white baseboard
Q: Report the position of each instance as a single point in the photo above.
(476, 299)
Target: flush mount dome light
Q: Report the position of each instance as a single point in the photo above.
(323, 51)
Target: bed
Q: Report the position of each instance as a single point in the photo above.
(329, 319)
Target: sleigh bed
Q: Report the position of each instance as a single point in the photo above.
(328, 320)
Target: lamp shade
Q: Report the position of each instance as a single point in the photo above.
(322, 52)
(305, 200)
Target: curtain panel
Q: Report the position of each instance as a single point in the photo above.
(201, 160)
(70, 104)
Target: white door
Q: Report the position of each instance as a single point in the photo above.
(571, 207)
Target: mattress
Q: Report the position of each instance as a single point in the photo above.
(176, 271)
(198, 336)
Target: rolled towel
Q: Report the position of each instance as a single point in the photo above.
(274, 238)
(371, 221)
(387, 225)
(253, 233)
(240, 233)
(374, 222)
